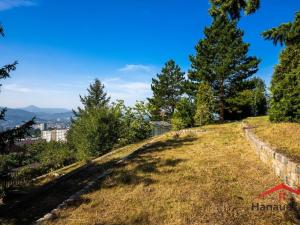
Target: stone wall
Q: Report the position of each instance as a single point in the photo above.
(285, 168)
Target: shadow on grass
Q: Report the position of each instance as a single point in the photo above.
(35, 204)
(142, 165)
(292, 213)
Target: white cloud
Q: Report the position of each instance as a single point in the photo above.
(16, 88)
(130, 92)
(9, 4)
(136, 68)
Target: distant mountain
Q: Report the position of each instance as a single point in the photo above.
(15, 117)
(36, 109)
(18, 115)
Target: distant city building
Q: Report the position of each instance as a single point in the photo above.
(55, 135)
(40, 126)
(160, 127)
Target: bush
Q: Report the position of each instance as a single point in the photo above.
(55, 154)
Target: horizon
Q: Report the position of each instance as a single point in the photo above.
(59, 56)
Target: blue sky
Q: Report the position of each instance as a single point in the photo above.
(62, 45)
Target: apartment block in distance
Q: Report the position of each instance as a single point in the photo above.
(54, 135)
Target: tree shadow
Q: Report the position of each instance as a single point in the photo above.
(37, 203)
(33, 205)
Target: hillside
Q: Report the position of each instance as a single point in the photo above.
(209, 177)
(284, 137)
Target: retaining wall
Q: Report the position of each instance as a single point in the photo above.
(285, 168)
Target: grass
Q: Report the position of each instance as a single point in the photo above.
(208, 178)
(284, 137)
(46, 193)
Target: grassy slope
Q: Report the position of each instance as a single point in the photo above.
(282, 136)
(211, 178)
(37, 205)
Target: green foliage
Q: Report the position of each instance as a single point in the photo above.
(96, 98)
(7, 138)
(221, 61)
(167, 90)
(135, 123)
(249, 102)
(286, 33)
(259, 98)
(205, 105)
(52, 154)
(183, 114)
(284, 104)
(95, 132)
(99, 127)
(36, 158)
(8, 161)
(233, 8)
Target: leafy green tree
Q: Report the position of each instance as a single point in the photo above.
(8, 137)
(284, 105)
(54, 154)
(183, 114)
(167, 90)
(95, 132)
(135, 123)
(233, 8)
(205, 105)
(96, 98)
(221, 60)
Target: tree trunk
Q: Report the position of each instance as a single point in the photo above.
(222, 105)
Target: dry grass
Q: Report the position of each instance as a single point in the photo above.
(211, 178)
(284, 137)
(43, 198)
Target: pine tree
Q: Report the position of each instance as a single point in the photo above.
(233, 8)
(167, 90)
(8, 137)
(221, 60)
(284, 104)
(96, 98)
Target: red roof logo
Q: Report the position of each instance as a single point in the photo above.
(278, 188)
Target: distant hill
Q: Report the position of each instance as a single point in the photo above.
(15, 117)
(36, 109)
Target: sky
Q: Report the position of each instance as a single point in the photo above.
(63, 45)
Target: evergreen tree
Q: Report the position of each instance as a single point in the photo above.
(249, 102)
(259, 97)
(8, 137)
(205, 105)
(221, 60)
(167, 90)
(233, 8)
(96, 98)
(284, 104)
